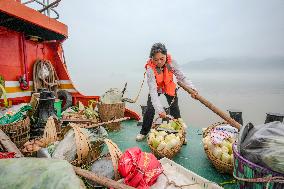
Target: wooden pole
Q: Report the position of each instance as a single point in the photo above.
(9, 145)
(96, 124)
(104, 181)
(209, 105)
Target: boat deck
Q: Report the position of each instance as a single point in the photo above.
(191, 156)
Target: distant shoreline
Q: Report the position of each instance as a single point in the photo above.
(276, 63)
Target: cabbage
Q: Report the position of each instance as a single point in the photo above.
(155, 143)
(161, 146)
(174, 142)
(162, 133)
(151, 135)
(228, 145)
(226, 157)
(225, 149)
(217, 152)
(180, 120)
(159, 138)
(174, 125)
(169, 137)
(206, 140)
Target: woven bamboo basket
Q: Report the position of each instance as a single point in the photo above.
(221, 166)
(109, 112)
(251, 175)
(113, 155)
(87, 152)
(167, 153)
(19, 132)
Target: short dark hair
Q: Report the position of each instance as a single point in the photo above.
(158, 47)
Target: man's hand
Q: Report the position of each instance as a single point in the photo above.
(163, 115)
(194, 94)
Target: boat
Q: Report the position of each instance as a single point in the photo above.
(27, 35)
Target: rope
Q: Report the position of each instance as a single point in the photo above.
(173, 99)
(267, 179)
(50, 81)
(135, 100)
(171, 182)
(138, 95)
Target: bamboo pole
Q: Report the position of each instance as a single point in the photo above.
(9, 145)
(104, 181)
(96, 124)
(108, 122)
(209, 105)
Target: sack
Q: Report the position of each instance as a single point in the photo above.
(139, 169)
(263, 145)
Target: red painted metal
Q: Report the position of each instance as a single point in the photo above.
(18, 55)
(12, 63)
(84, 99)
(24, 84)
(25, 13)
(132, 114)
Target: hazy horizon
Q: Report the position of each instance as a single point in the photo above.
(109, 43)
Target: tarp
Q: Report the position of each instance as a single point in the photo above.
(38, 173)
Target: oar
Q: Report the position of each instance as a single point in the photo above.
(209, 105)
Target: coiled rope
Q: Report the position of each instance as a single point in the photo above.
(45, 76)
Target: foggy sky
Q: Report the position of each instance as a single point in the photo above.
(114, 37)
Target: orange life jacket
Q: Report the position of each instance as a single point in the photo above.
(164, 79)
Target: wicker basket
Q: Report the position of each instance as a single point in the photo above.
(86, 152)
(113, 155)
(221, 166)
(19, 132)
(109, 112)
(95, 152)
(167, 153)
(247, 173)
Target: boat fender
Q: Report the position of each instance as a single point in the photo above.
(66, 97)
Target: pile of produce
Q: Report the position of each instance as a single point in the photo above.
(166, 140)
(81, 112)
(33, 145)
(218, 142)
(222, 151)
(49, 136)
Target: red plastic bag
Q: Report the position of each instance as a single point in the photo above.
(4, 155)
(139, 169)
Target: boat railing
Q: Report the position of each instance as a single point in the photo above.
(44, 6)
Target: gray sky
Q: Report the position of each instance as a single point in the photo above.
(109, 39)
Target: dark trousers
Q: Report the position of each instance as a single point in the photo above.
(150, 113)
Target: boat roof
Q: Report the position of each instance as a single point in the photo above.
(18, 17)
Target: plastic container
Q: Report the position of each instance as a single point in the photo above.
(58, 107)
(249, 171)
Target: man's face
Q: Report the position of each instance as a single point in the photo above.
(159, 59)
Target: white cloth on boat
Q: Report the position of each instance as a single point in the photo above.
(151, 80)
(222, 132)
